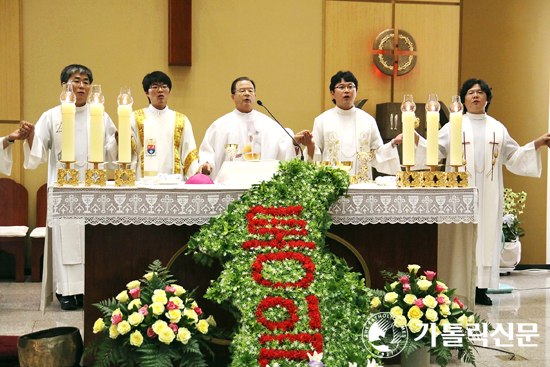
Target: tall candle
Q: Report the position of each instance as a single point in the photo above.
(124, 132)
(150, 154)
(96, 132)
(68, 111)
(456, 139)
(432, 122)
(407, 119)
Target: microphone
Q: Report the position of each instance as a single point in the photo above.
(291, 137)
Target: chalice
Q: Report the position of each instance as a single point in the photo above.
(364, 159)
(231, 150)
(346, 165)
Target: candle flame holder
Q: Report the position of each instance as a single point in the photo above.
(67, 175)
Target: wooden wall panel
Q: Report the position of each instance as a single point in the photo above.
(350, 30)
(436, 30)
(10, 61)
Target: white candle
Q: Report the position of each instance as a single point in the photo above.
(96, 132)
(150, 154)
(407, 119)
(67, 130)
(432, 122)
(124, 140)
(456, 139)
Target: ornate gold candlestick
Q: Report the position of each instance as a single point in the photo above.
(408, 178)
(96, 176)
(433, 177)
(67, 176)
(457, 178)
(125, 176)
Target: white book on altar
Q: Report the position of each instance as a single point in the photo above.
(247, 172)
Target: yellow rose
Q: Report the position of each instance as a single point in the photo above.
(447, 300)
(393, 285)
(158, 326)
(444, 310)
(173, 315)
(133, 284)
(166, 335)
(463, 320)
(432, 315)
(122, 297)
(158, 308)
(191, 314)
(202, 326)
(123, 327)
(471, 319)
(117, 312)
(396, 311)
(415, 313)
(136, 339)
(135, 319)
(159, 298)
(430, 301)
(454, 305)
(99, 325)
(177, 301)
(375, 302)
(415, 325)
(184, 335)
(113, 332)
(194, 304)
(424, 284)
(391, 297)
(179, 289)
(444, 322)
(443, 285)
(413, 268)
(409, 299)
(135, 302)
(400, 321)
(210, 320)
(437, 331)
(149, 275)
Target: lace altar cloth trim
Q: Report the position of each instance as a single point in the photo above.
(180, 205)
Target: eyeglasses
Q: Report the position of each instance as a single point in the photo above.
(80, 82)
(342, 87)
(478, 92)
(157, 87)
(242, 91)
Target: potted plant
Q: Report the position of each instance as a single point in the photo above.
(514, 202)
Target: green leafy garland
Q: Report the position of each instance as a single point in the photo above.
(269, 241)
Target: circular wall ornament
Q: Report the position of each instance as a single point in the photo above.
(388, 55)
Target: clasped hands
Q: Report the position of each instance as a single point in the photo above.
(25, 131)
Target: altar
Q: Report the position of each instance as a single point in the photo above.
(374, 228)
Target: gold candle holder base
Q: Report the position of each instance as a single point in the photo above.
(408, 178)
(433, 177)
(96, 176)
(125, 176)
(457, 178)
(67, 176)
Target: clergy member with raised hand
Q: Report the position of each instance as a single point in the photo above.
(488, 147)
(44, 144)
(342, 131)
(6, 143)
(176, 148)
(257, 135)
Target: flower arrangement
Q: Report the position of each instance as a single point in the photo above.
(153, 323)
(289, 294)
(514, 202)
(423, 305)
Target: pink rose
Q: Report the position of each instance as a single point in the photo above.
(404, 279)
(419, 302)
(174, 327)
(116, 319)
(429, 275)
(198, 311)
(406, 287)
(440, 300)
(457, 301)
(439, 288)
(170, 289)
(151, 333)
(144, 311)
(135, 292)
(171, 306)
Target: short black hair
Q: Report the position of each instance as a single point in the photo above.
(156, 77)
(242, 78)
(469, 84)
(337, 78)
(68, 71)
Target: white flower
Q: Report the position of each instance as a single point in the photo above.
(315, 357)
(372, 363)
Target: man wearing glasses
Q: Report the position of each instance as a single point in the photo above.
(258, 136)
(341, 132)
(175, 146)
(44, 144)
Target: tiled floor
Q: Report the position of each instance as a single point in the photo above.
(528, 303)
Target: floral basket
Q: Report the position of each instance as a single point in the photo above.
(154, 323)
(422, 305)
(514, 202)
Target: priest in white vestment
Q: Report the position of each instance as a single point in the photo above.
(176, 148)
(44, 145)
(6, 147)
(251, 130)
(488, 147)
(341, 132)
